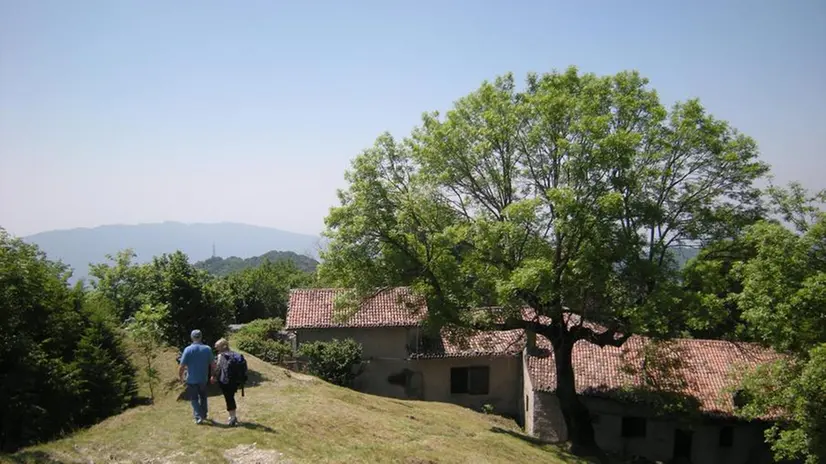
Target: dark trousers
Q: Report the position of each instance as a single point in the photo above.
(229, 395)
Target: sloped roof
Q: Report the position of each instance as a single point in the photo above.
(492, 343)
(706, 370)
(393, 307)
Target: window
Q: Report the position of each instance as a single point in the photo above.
(726, 437)
(470, 380)
(633, 427)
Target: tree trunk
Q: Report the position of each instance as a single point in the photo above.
(576, 415)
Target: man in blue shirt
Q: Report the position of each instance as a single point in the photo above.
(197, 362)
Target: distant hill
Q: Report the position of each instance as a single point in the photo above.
(79, 247)
(224, 266)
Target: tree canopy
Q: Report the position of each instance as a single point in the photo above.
(567, 196)
(263, 292)
(193, 298)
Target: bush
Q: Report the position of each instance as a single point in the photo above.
(335, 361)
(106, 376)
(264, 329)
(271, 351)
(257, 339)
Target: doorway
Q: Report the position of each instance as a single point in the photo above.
(682, 444)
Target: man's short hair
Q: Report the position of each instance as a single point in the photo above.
(196, 335)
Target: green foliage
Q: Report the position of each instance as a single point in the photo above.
(271, 351)
(121, 282)
(570, 197)
(336, 361)
(106, 376)
(782, 301)
(222, 267)
(262, 328)
(795, 388)
(775, 287)
(62, 360)
(264, 291)
(147, 329)
(194, 299)
(258, 339)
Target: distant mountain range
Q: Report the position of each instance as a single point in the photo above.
(224, 266)
(79, 247)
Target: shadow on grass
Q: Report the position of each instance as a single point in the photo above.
(588, 455)
(527, 438)
(140, 401)
(26, 457)
(243, 425)
(254, 379)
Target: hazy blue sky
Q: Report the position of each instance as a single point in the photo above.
(145, 111)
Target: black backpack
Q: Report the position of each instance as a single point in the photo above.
(237, 370)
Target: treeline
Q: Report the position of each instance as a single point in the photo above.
(65, 356)
(225, 266)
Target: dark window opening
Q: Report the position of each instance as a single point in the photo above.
(682, 443)
(726, 437)
(470, 380)
(633, 427)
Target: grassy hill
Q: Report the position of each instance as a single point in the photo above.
(293, 418)
(224, 266)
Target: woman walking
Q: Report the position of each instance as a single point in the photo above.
(222, 375)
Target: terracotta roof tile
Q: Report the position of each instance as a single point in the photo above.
(394, 307)
(491, 343)
(708, 369)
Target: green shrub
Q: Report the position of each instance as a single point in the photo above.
(257, 339)
(263, 329)
(271, 351)
(336, 361)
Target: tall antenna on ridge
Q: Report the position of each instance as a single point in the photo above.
(213, 249)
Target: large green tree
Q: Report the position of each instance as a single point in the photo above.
(263, 292)
(566, 196)
(193, 298)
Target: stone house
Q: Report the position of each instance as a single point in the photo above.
(513, 372)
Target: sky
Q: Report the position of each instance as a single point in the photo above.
(134, 111)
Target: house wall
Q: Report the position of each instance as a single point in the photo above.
(505, 383)
(374, 379)
(385, 351)
(546, 417)
(658, 442)
(527, 398)
(376, 342)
